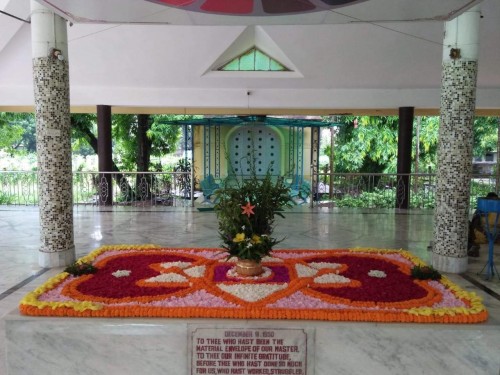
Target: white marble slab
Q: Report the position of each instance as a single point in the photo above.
(161, 346)
(386, 349)
(144, 347)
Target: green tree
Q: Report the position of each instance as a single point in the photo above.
(83, 130)
(485, 135)
(12, 130)
(428, 141)
(134, 141)
(161, 138)
(371, 147)
(84, 126)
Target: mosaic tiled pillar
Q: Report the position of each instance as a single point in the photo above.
(458, 98)
(53, 136)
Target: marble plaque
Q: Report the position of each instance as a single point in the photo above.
(248, 351)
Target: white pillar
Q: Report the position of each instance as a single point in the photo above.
(463, 33)
(458, 101)
(53, 135)
(48, 30)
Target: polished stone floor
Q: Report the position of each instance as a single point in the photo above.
(303, 228)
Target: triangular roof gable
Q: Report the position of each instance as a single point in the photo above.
(254, 37)
(254, 60)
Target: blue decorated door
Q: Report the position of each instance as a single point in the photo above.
(266, 143)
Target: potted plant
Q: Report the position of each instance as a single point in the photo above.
(246, 209)
(425, 273)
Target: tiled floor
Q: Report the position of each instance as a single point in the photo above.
(303, 228)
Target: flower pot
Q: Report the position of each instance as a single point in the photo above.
(247, 267)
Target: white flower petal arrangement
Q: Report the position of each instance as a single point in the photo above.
(170, 277)
(377, 273)
(121, 273)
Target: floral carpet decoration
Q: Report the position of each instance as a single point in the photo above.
(342, 285)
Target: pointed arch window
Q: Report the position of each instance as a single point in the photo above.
(254, 60)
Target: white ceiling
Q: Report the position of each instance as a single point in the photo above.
(339, 65)
(133, 11)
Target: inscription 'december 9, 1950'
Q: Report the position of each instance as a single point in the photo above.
(248, 351)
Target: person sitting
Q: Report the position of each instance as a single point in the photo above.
(476, 227)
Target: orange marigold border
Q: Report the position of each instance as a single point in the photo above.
(474, 311)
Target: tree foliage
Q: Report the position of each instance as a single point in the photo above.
(372, 146)
(163, 136)
(83, 133)
(369, 147)
(17, 132)
(485, 135)
(428, 143)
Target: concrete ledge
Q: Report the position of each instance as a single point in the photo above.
(163, 346)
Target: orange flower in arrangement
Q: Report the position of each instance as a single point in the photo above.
(248, 209)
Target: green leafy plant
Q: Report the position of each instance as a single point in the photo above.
(77, 269)
(425, 273)
(6, 198)
(183, 181)
(246, 209)
(384, 198)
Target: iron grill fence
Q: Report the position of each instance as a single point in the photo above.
(101, 188)
(386, 190)
(364, 190)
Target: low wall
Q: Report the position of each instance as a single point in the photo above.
(172, 346)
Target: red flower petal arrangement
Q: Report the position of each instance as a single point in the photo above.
(342, 285)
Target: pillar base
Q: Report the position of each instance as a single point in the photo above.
(56, 259)
(449, 264)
